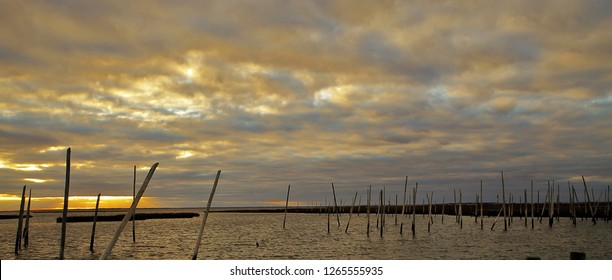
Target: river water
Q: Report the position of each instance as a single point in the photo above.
(244, 236)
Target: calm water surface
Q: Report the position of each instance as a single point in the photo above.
(236, 235)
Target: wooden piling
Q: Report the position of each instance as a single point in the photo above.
(443, 204)
(481, 207)
(525, 207)
(65, 211)
(93, 227)
(460, 210)
(382, 213)
(335, 204)
(130, 212)
(26, 232)
(20, 222)
(429, 218)
(532, 206)
(134, 216)
(350, 213)
(368, 211)
(201, 232)
(589, 201)
(551, 210)
(504, 201)
(414, 194)
(286, 206)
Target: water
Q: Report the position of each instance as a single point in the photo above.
(236, 235)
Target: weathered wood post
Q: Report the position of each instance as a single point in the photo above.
(134, 216)
(201, 232)
(93, 227)
(26, 233)
(129, 214)
(286, 206)
(65, 212)
(20, 222)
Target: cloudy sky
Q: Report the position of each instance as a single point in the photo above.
(304, 93)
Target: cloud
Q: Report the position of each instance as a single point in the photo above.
(303, 93)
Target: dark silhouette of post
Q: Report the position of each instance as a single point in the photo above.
(65, 211)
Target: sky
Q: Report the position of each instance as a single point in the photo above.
(302, 93)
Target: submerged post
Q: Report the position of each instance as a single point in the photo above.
(20, 222)
(210, 198)
(130, 212)
(93, 227)
(286, 206)
(65, 212)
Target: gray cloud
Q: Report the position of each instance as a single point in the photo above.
(303, 93)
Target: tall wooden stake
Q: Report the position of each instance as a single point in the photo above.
(286, 206)
(504, 201)
(20, 222)
(26, 233)
(532, 206)
(481, 207)
(134, 216)
(201, 232)
(129, 214)
(65, 212)
(350, 213)
(368, 210)
(336, 205)
(586, 191)
(414, 194)
(93, 227)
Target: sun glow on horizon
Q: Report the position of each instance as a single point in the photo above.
(10, 202)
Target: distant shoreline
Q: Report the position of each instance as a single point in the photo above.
(468, 209)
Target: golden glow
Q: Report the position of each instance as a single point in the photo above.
(52, 148)
(35, 180)
(185, 154)
(24, 166)
(189, 72)
(10, 202)
(292, 203)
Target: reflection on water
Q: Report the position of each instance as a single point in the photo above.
(237, 236)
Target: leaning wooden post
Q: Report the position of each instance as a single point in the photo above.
(210, 198)
(20, 222)
(336, 205)
(93, 227)
(350, 214)
(26, 233)
(404, 207)
(65, 212)
(586, 191)
(286, 206)
(129, 214)
(134, 216)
